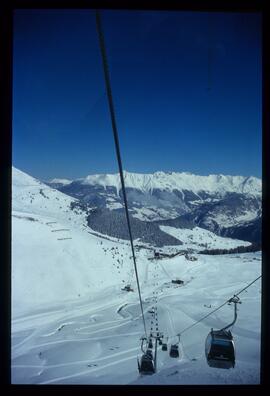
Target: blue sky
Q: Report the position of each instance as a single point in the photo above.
(186, 86)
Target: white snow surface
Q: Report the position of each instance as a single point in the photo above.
(31, 196)
(113, 205)
(153, 213)
(225, 221)
(180, 181)
(200, 238)
(72, 323)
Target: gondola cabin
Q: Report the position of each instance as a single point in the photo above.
(219, 349)
(147, 366)
(174, 352)
(164, 347)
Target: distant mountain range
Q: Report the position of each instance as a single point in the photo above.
(226, 205)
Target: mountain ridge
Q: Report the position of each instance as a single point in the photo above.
(169, 181)
(226, 205)
(228, 213)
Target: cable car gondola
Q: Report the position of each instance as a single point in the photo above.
(219, 349)
(219, 345)
(174, 352)
(164, 347)
(147, 366)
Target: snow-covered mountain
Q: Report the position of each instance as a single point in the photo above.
(226, 205)
(72, 322)
(170, 181)
(52, 245)
(33, 196)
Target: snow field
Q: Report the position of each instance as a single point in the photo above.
(94, 333)
(197, 238)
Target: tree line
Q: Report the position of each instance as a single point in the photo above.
(254, 247)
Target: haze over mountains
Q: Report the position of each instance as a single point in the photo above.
(226, 205)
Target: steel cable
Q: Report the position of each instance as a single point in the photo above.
(222, 305)
(117, 147)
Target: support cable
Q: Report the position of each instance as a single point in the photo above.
(117, 146)
(222, 305)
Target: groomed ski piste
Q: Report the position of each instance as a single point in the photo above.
(73, 324)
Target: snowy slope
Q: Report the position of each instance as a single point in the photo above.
(51, 244)
(48, 269)
(199, 238)
(29, 195)
(97, 340)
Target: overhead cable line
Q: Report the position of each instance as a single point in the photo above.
(241, 291)
(222, 305)
(117, 146)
